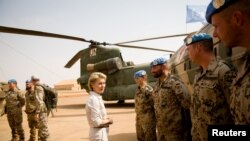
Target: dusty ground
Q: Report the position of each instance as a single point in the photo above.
(70, 122)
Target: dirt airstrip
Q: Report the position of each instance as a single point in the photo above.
(70, 123)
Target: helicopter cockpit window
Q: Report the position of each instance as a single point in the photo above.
(126, 64)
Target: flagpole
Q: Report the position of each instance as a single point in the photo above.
(186, 15)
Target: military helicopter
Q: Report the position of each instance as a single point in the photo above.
(120, 83)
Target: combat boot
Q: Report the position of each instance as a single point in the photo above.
(44, 139)
(14, 135)
(14, 139)
(33, 139)
(21, 137)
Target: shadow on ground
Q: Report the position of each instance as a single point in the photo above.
(123, 137)
(119, 105)
(107, 105)
(71, 106)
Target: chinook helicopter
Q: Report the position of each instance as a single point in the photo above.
(120, 84)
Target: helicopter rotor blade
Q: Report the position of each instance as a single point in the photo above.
(140, 47)
(154, 38)
(38, 33)
(12, 30)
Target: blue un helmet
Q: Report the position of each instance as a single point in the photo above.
(197, 37)
(140, 73)
(12, 81)
(215, 6)
(158, 61)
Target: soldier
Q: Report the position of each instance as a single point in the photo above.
(2, 100)
(231, 20)
(15, 100)
(31, 109)
(170, 100)
(1, 87)
(41, 110)
(144, 108)
(211, 97)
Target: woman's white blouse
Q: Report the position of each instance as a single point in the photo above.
(96, 112)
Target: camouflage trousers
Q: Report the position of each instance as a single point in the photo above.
(163, 134)
(33, 125)
(146, 129)
(43, 132)
(15, 119)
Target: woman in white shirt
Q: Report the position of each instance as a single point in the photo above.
(95, 109)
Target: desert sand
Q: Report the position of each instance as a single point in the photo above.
(70, 123)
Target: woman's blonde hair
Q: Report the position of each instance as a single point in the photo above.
(93, 77)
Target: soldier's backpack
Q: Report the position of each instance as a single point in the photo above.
(51, 96)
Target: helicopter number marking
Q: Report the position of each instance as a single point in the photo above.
(92, 52)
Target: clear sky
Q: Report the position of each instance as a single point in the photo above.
(111, 21)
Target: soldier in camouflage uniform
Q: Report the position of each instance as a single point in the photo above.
(31, 109)
(41, 110)
(2, 100)
(15, 100)
(170, 100)
(144, 108)
(240, 100)
(231, 19)
(211, 97)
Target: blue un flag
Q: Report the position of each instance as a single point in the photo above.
(196, 13)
